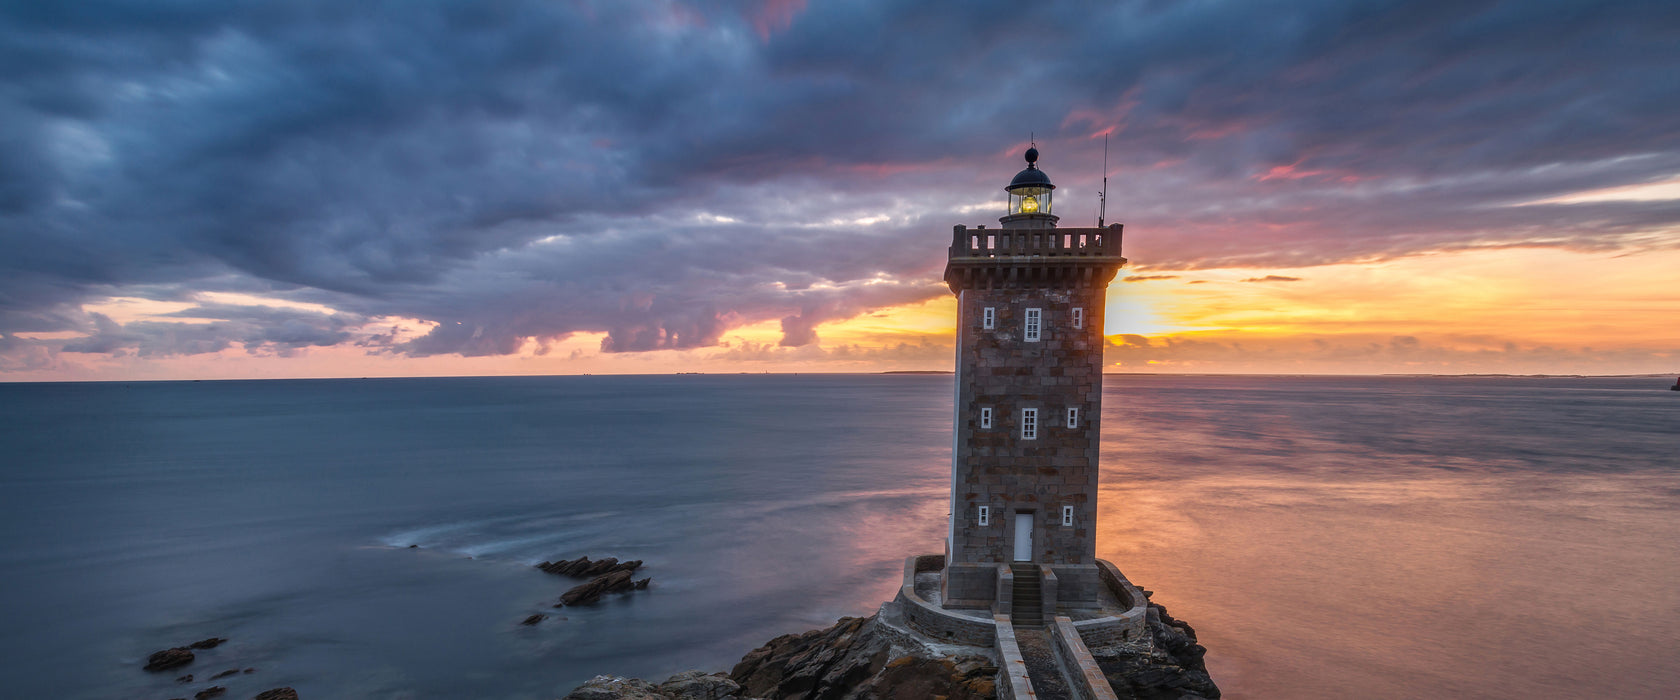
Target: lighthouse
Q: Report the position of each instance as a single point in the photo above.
(1028, 408)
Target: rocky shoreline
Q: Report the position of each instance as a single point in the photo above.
(874, 657)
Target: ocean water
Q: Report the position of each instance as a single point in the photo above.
(1373, 537)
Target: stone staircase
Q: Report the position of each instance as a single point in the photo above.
(1027, 600)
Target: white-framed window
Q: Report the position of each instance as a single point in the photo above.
(1078, 317)
(985, 516)
(1029, 424)
(986, 418)
(988, 318)
(1067, 516)
(1035, 324)
(1073, 418)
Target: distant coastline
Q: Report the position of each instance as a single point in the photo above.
(6, 381)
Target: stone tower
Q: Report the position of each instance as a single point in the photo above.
(1029, 400)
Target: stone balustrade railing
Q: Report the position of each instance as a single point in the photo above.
(1042, 242)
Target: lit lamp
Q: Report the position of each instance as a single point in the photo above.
(1029, 197)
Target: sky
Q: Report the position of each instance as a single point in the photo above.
(205, 189)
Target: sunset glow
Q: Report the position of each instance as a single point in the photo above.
(690, 189)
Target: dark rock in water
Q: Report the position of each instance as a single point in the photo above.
(169, 658)
(534, 619)
(643, 584)
(250, 670)
(582, 567)
(210, 643)
(225, 674)
(1170, 669)
(277, 694)
(615, 582)
(214, 691)
(184, 679)
(414, 546)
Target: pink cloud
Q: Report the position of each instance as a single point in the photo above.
(1294, 171)
(1104, 122)
(1288, 172)
(775, 16)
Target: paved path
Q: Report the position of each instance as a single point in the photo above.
(1047, 679)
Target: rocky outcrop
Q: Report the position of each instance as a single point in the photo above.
(861, 658)
(210, 643)
(854, 659)
(1169, 668)
(582, 567)
(214, 691)
(691, 685)
(605, 576)
(615, 582)
(277, 694)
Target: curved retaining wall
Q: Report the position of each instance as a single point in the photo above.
(1117, 629)
(933, 621)
(938, 623)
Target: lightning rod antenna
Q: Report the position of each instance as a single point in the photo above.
(1102, 197)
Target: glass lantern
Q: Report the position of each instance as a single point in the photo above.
(1029, 200)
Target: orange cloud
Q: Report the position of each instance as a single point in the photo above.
(1288, 172)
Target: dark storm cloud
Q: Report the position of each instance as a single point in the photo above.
(213, 327)
(663, 171)
(675, 287)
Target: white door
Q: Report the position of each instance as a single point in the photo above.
(1023, 536)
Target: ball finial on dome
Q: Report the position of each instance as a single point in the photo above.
(1032, 155)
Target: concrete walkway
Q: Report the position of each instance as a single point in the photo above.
(1036, 650)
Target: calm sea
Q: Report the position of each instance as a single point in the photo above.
(1329, 537)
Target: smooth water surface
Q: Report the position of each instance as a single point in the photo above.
(1377, 537)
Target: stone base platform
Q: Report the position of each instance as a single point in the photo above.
(1112, 612)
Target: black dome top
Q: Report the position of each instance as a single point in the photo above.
(1032, 176)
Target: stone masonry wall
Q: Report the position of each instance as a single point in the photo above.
(1077, 584)
(995, 467)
